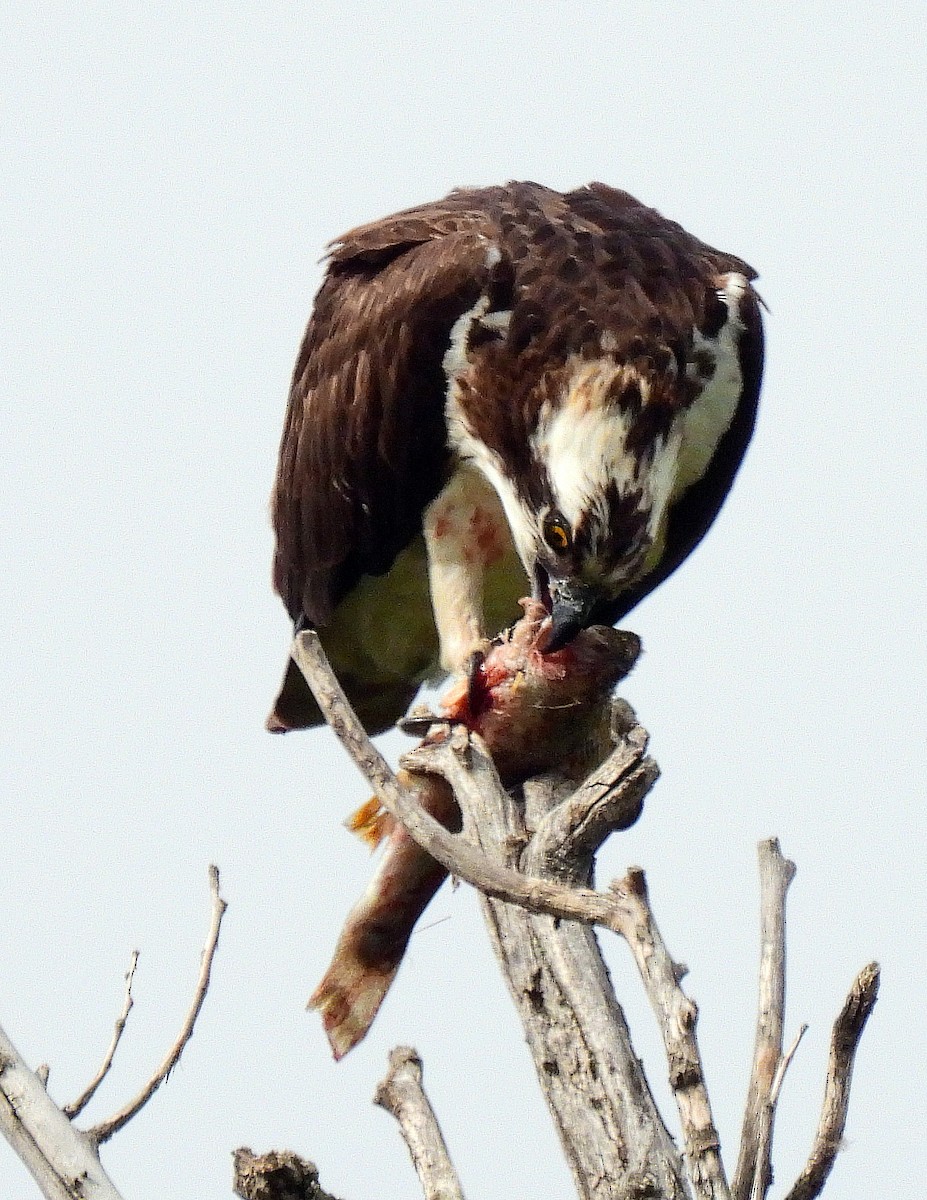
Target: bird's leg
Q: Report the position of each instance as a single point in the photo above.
(456, 542)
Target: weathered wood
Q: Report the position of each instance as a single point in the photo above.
(402, 1094)
(753, 1174)
(847, 1031)
(62, 1160)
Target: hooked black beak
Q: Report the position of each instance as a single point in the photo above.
(572, 608)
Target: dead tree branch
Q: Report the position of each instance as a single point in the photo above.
(105, 1129)
(462, 858)
(531, 857)
(76, 1107)
(677, 1016)
(754, 1169)
(847, 1031)
(64, 1160)
(402, 1094)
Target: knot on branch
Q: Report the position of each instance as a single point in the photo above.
(685, 1070)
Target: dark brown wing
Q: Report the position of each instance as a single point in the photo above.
(364, 443)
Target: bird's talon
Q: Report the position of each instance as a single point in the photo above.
(419, 720)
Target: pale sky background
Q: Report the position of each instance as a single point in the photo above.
(170, 175)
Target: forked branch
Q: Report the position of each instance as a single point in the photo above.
(464, 860)
(105, 1129)
(63, 1159)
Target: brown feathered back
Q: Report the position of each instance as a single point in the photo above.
(364, 447)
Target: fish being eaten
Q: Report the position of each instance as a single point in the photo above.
(533, 711)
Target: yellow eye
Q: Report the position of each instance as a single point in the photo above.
(557, 533)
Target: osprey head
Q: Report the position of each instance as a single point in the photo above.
(592, 523)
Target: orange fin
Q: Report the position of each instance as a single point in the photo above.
(371, 822)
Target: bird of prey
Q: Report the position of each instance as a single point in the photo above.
(509, 389)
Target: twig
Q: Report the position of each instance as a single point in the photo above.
(62, 1160)
(105, 1130)
(77, 1106)
(402, 1095)
(753, 1175)
(783, 1066)
(847, 1031)
(677, 1015)
(763, 1159)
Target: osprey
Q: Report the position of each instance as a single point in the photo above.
(511, 388)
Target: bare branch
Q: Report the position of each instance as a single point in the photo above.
(677, 1015)
(753, 1175)
(62, 1160)
(469, 770)
(77, 1106)
(609, 799)
(784, 1062)
(531, 862)
(847, 1031)
(402, 1094)
(105, 1130)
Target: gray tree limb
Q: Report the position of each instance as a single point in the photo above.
(754, 1168)
(847, 1031)
(402, 1094)
(62, 1160)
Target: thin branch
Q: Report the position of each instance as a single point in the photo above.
(610, 799)
(763, 1157)
(62, 1160)
(847, 1031)
(402, 1095)
(784, 1063)
(77, 1106)
(105, 1130)
(753, 1175)
(677, 1015)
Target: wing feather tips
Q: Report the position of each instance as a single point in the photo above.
(378, 705)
